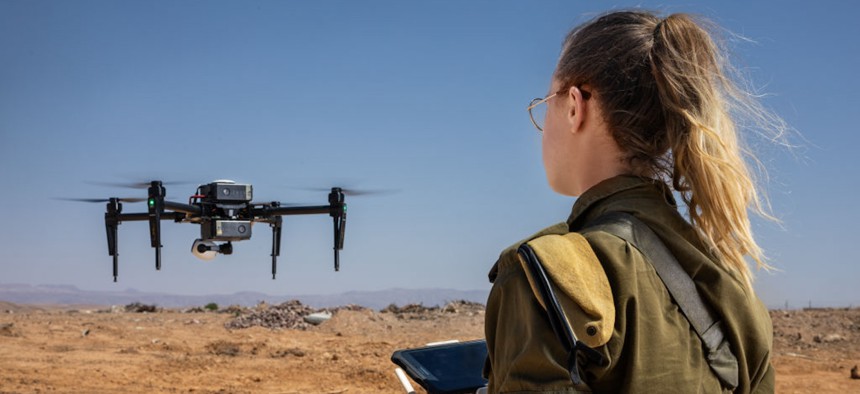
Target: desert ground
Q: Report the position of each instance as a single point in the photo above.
(270, 349)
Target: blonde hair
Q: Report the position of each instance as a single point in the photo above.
(668, 96)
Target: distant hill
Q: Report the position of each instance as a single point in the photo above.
(67, 294)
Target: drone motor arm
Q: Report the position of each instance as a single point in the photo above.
(275, 210)
(181, 208)
(142, 217)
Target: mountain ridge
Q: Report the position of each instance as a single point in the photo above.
(48, 294)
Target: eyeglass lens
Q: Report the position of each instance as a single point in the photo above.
(538, 114)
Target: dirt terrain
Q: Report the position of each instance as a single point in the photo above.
(112, 350)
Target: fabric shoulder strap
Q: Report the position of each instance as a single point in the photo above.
(679, 284)
(578, 353)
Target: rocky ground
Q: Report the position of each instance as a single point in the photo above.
(272, 348)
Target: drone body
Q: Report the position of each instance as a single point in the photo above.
(225, 212)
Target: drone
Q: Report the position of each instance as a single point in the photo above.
(225, 212)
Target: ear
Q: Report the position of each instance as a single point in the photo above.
(576, 110)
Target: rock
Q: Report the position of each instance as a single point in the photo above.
(854, 373)
(224, 348)
(833, 338)
(317, 318)
(85, 332)
(9, 330)
(828, 338)
(288, 352)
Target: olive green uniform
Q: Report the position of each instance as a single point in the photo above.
(652, 347)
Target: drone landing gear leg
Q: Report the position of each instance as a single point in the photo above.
(112, 249)
(339, 228)
(155, 236)
(338, 214)
(276, 244)
(114, 208)
(155, 204)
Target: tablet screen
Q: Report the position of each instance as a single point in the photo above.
(449, 368)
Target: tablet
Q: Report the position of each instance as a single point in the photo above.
(445, 369)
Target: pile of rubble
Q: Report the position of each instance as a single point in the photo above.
(347, 307)
(462, 306)
(137, 307)
(410, 309)
(815, 328)
(287, 315)
(421, 312)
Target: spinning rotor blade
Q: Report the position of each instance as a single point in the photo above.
(135, 185)
(282, 204)
(353, 191)
(101, 200)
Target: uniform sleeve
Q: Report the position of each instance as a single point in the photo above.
(767, 385)
(522, 347)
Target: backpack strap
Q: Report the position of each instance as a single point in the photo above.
(681, 287)
(578, 353)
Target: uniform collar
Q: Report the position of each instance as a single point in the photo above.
(627, 193)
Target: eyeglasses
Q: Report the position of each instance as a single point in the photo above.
(537, 112)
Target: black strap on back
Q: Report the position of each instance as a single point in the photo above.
(679, 284)
(578, 353)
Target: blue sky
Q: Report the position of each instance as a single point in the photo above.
(427, 98)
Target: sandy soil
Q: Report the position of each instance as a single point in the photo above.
(82, 350)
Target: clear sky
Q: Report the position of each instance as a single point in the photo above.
(424, 97)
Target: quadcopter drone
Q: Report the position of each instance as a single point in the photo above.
(225, 213)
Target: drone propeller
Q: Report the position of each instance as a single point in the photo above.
(353, 191)
(101, 200)
(283, 204)
(136, 185)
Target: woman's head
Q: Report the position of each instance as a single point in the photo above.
(661, 90)
(578, 151)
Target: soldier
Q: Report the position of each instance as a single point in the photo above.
(639, 107)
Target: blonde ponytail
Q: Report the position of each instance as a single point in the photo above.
(708, 164)
(668, 96)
